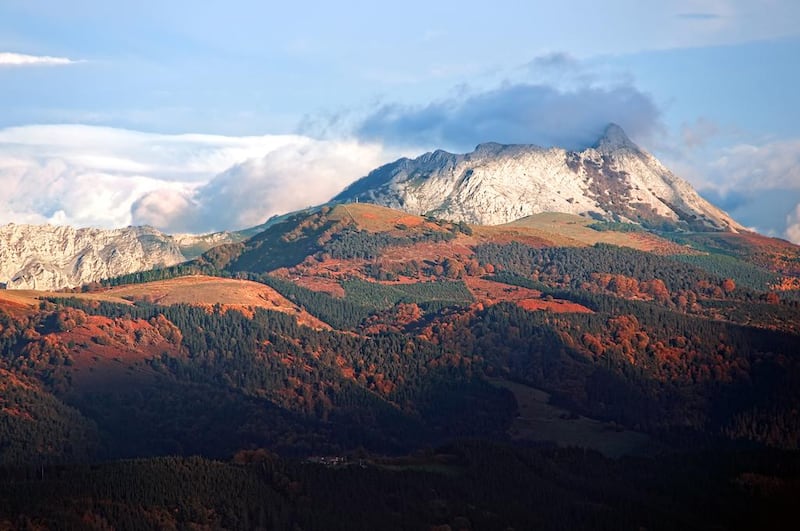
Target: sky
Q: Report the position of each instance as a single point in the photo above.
(204, 116)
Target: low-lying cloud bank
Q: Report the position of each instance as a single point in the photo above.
(106, 177)
(289, 178)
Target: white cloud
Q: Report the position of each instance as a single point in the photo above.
(767, 166)
(169, 157)
(164, 208)
(20, 59)
(289, 178)
(98, 176)
(771, 165)
(757, 183)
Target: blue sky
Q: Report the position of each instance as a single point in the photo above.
(334, 87)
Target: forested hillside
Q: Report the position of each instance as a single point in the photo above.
(366, 333)
(472, 485)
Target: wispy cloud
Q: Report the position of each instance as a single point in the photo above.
(556, 60)
(699, 16)
(699, 133)
(21, 59)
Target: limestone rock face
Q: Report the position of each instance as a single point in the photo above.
(495, 184)
(47, 257)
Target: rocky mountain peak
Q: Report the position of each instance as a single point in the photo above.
(614, 139)
(615, 180)
(489, 148)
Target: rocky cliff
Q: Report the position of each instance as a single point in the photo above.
(46, 257)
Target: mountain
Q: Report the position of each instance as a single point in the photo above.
(193, 245)
(50, 257)
(397, 355)
(614, 181)
(356, 325)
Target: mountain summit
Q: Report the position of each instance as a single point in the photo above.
(615, 180)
